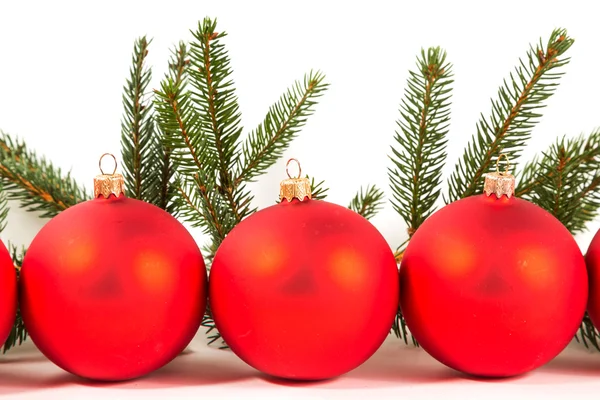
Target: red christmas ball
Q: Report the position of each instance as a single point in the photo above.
(493, 287)
(112, 289)
(8, 293)
(592, 259)
(304, 290)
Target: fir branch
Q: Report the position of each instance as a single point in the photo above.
(3, 207)
(162, 190)
(137, 127)
(588, 334)
(318, 189)
(199, 203)
(18, 334)
(425, 117)
(400, 329)
(183, 136)
(215, 96)
(215, 99)
(266, 144)
(513, 116)
(211, 329)
(179, 119)
(34, 181)
(368, 202)
(566, 181)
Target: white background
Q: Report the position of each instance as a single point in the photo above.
(63, 65)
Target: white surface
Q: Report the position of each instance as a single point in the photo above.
(63, 65)
(396, 371)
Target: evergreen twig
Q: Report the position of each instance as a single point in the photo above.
(34, 181)
(588, 334)
(513, 116)
(565, 180)
(165, 190)
(179, 121)
(137, 126)
(425, 118)
(146, 160)
(18, 334)
(214, 96)
(400, 329)
(368, 202)
(187, 143)
(266, 144)
(211, 330)
(318, 189)
(3, 207)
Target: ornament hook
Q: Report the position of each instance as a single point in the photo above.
(500, 182)
(100, 163)
(287, 171)
(507, 169)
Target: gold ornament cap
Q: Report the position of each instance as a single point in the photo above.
(107, 184)
(297, 187)
(500, 183)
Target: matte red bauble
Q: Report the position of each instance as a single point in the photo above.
(592, 259)
(112, 288)
(304, 289)
(8, 293)
(492, 285)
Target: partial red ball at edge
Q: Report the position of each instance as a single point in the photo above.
(8, 293)
(592, 259)
(112, 289)
(493, 287)
(304, 290)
